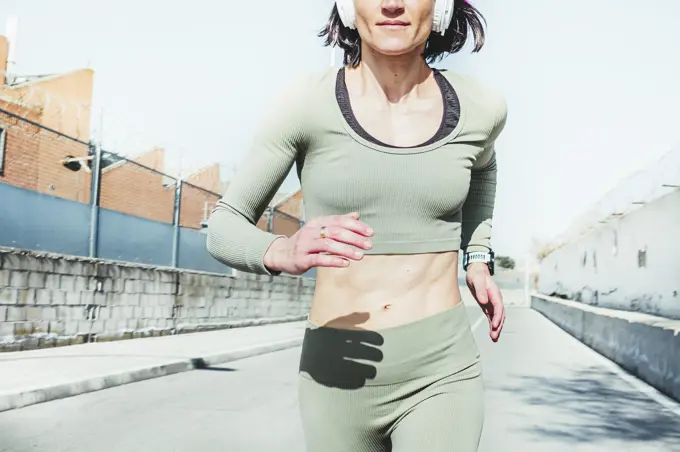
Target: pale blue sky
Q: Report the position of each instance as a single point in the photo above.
(593, 88)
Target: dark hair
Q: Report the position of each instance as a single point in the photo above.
(465, 18)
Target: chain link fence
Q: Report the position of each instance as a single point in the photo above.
(63, 195)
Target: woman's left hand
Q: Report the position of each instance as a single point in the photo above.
(488, 297)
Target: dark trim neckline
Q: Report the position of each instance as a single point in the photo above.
(450, 117)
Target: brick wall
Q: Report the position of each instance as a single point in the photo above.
(48, 300)
(287, 216)
(21, 147)
(53, 178)
(199, 196)
(137, 190)
(32, 157)
(65, 100)
(285, 225)
(293, 205)
(134, 190)
(281, 224)
(208, 178)
(4, 50)
(196, 205)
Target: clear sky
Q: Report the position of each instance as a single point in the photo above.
(592, 87)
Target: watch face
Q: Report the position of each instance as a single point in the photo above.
(484, 257)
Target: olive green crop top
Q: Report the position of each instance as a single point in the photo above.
(431, 198)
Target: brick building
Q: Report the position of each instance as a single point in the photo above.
(45, 119)
(30, 156)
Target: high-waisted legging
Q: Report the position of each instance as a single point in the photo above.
(411, 388)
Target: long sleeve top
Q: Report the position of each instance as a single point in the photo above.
(435, 197)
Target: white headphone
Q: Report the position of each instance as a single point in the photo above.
(443, 14)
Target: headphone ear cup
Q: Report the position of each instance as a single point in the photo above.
(443, 14)
(346, 13)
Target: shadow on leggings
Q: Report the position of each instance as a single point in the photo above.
(329, 354)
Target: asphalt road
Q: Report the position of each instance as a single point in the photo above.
(545, 392)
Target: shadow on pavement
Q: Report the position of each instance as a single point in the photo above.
(596, 406)
(218, 369)
(200, 364)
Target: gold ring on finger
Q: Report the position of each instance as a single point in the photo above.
(322, 234)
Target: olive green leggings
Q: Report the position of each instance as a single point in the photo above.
(411, 388)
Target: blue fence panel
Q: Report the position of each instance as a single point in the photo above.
(127, 238)
(36, 221)
(194, 255)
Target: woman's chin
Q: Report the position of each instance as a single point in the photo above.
(394, 49)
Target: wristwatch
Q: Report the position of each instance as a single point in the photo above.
(486, 257)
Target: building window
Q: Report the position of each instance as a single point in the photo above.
(615, 249)
(3, 145)
(642, 258)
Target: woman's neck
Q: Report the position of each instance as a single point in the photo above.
(394, 78)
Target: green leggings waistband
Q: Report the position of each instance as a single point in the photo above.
(439, 344)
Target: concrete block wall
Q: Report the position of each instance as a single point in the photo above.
(50, 300)
(646, 346)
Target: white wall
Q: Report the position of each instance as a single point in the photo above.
(611, 276)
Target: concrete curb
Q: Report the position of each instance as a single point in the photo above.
(39, 340)
(27, 397)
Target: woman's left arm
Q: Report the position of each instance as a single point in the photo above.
(476, 227)
(479, 205)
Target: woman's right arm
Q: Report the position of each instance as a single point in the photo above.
(233, 237)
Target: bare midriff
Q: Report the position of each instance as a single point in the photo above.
(383, 291)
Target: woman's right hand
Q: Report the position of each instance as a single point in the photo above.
(321, 242)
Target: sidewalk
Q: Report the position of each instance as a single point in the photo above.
(36, 376)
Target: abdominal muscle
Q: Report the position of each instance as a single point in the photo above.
(383, 291)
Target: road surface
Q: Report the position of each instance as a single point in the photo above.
(545, 392)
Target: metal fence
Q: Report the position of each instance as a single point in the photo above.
(658, 179)
(64, 195)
